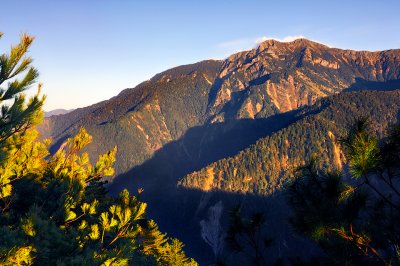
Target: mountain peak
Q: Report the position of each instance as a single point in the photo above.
(297, 43)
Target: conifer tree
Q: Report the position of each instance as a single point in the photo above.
(16, 76)
(51, 217)
(246, 236)
(353, 216)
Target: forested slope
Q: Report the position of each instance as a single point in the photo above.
(265, 166)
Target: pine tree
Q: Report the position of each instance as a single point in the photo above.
(16, 70)
(246, 236)
(51, 217)
(353, 216)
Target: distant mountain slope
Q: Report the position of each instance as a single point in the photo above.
(141, 120)
(57, 112)
(265, 166)
(273, 78)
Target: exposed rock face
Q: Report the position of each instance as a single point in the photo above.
(273, 78)
(211, 229)
(284, 76)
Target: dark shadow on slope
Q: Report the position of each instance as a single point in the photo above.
(200, 146)
(362, 84)
(181, 214)
(179, 211)
(56, 145)
(260, 80)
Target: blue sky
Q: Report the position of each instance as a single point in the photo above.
(89, 50)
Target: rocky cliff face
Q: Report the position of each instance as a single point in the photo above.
(279, 77)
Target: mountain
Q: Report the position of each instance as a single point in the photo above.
(228, 130)
(57, 112)
(271, 79)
